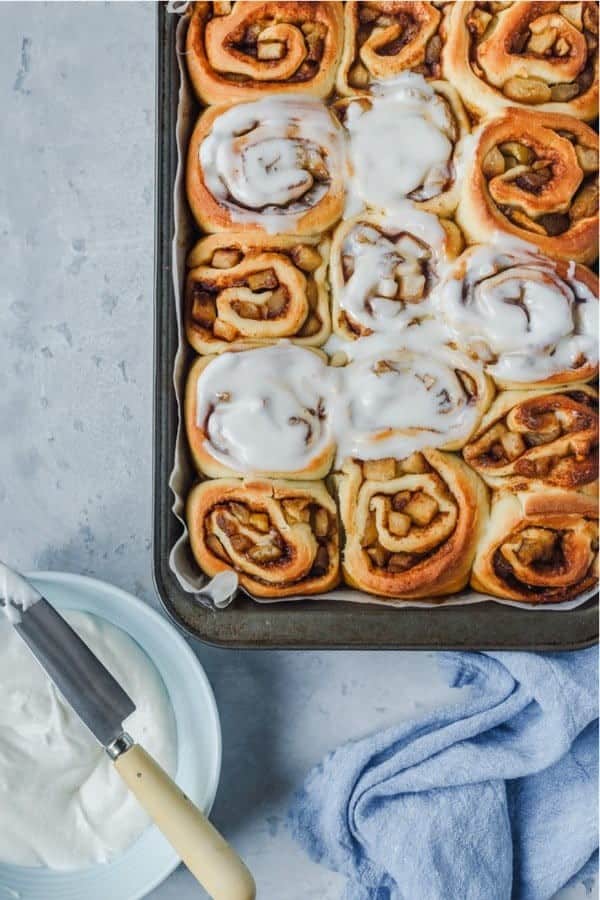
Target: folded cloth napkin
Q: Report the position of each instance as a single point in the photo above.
(492, 797)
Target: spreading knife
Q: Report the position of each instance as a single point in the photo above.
(103, 705)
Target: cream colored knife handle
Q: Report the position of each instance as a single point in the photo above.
(207, 855)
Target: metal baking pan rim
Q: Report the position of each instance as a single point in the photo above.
(246, 625)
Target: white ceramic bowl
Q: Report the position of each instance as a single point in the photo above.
(148, 862)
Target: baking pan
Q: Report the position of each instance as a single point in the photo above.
(305, 624)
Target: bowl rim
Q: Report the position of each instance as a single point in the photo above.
(160, 624)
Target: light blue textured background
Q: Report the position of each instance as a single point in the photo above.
(76, 234)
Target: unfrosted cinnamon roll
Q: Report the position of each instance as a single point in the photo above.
(538, 438)
(530, 319)
(411, 525)
(239, 51)
(276, 164)
(383, 269)
(245, 288)
(538, 547)
(543, 56)
(263, 411)
(383, 39)
(535, 176)
(407, 393)
(404, 143)
(280, 537)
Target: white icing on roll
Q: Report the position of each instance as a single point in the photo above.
(266, 410)
(401, 142)
(512, 307)
(393, 260)
(260, 158)
(400, 400)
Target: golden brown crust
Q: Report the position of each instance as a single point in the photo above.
(550, 198)
(421, 262)
(250, 49)
(280, 537)
(384, 39)
(213, 215)
(538, 55)
(538, 547)
(411, 532)
(533, 438)
(254, 288)
(198, 437)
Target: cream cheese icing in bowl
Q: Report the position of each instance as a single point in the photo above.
(134, 872)
(64, 804)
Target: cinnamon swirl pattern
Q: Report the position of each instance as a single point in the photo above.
(276, 164)
(538, 547)
(535, 176)
(411, 525)
(543, 56)
(264, 411)
(531, 320)
(239, 51)
(404, 143)
(399, 400)
(384, 39)
(390, 297)
(383, 269)
(280, 537)
(249, 288)
(529, 439)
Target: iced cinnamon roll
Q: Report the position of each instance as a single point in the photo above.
(404, 143)
(531, 439)
(264, 411)
(535, 176)
(401, 396)
(538, 547)
(542, 56)
(383, 269)
(240, 51)
(276, 165)
(280, 537)
(531, 320)
(249, 288)
(411, 525)
(384, 39)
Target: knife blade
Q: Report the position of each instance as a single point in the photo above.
(87, 686)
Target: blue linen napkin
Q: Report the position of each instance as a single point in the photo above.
(492, 797)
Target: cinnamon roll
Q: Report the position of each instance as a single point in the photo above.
(383, 269)
(239, 51)
(280, 537)
(411, 525)
(245, 288)
(535, 176)
(538, 547)
(530, 319)
(543, 56)
(276, 164)
(403, 396)
(404, 143)
(529, 439)
(262, 411)
(383, 39)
